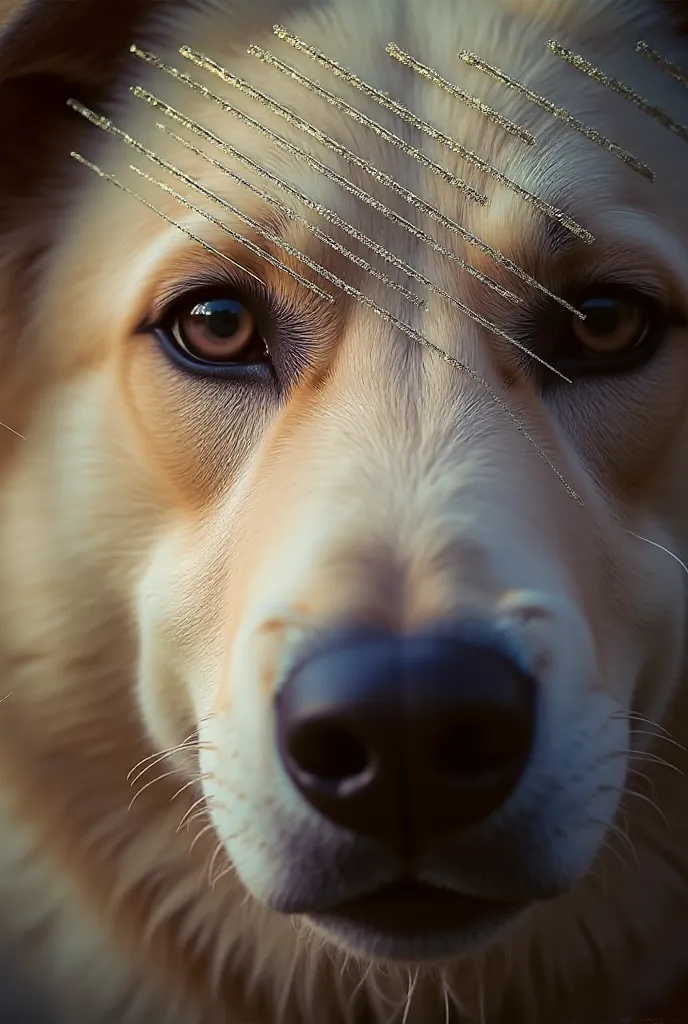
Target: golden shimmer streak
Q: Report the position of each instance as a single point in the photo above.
(473, 102)
(679, 73)
(324, 212)
(583, 65)
(410, 118)
(134, 195)
(108, 126)
(382, 313)
(559, 112)
(298, 122)
(291, 215)
(411, 333)
(339, 283)
(343, 182)
(206, 64)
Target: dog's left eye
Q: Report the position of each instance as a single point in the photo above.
(218, 330)
(213, 334)
(612, 325)
(622, 330)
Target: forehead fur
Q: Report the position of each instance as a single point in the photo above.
(561, 163)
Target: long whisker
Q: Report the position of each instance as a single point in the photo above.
(661, 547)
(212, 866)
(637, 716)
(615, 831)
(189, 815)
(200, 814)
(191, 782)
(170, 750)
(624, 836)
(133, 779)
(6, 426)
(650, 758)
(413, 981)
(151, 782)
(206, 828)
(651, 803)
(656, 736)
(445, 998)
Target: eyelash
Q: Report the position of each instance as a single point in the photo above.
(250, 293)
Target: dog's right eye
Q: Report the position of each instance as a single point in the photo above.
(213, 333)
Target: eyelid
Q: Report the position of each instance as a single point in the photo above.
(617, 279)
(617, 289)
(243, 289)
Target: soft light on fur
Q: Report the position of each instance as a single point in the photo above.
(166, 541)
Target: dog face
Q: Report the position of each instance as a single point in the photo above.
(407, 611)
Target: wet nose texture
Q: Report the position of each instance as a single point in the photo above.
(406, 739)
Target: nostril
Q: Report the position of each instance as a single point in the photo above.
(482, 745)
(328, 753)
(406, 739)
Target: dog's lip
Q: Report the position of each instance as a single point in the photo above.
(410, 906)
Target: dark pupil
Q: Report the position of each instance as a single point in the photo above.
(603, 316)
(221, 317)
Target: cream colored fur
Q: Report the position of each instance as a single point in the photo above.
(164, 540)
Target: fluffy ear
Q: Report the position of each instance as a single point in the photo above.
(50, 49)
(78, 38)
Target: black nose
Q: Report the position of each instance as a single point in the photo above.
(406, 738)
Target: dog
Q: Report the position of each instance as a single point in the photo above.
(344, 667)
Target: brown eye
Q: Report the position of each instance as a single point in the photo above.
(219, 331)
(612, 326)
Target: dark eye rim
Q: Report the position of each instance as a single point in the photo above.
(246, 372)
(658, 319)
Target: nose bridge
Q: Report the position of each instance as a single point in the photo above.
(433, 503)
(400, 504)
(419, 438)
